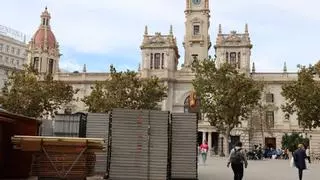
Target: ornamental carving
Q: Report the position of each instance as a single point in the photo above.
(233, 37)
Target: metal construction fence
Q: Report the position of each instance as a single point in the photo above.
(140, 144)
(65, 125)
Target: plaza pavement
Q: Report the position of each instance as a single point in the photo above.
(216, 169)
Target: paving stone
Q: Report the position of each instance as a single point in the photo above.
(216, 169)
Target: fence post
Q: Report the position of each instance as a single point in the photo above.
(83, 125)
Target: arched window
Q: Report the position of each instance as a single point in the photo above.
(151, 61)
(50, 66)
(157, 60)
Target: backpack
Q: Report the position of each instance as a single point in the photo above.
(236, 157)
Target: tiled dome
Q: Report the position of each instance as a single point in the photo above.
(44, 35)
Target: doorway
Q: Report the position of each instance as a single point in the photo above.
(270, 142)
(199, 138)
(215, 142)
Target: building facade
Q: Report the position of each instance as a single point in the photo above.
(160, 58)
(13, 53)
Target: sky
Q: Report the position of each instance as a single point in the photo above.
(99, 33)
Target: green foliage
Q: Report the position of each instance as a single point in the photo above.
(227, 96)
(292, 141)
(125, 90)
(25, 93)
(303, 97)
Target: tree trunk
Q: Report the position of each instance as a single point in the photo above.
(226, 142)
(262, 129)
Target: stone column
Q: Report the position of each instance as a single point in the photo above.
(210, 142)
(204, 136)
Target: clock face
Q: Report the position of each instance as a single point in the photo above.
(196, 2)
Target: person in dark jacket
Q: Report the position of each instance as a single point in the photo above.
(299, 159)
(237, 158)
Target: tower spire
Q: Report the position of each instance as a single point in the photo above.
(84, 68)
(253, 68)
(284, 67)
(220, 29)
(246, 29)
(146, 30)
(171, 30)
(207, 4)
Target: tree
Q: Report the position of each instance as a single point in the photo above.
(259, 122)
(125, 90)
(227, 96)
(292, 141)
(25, 93)
(303, 97)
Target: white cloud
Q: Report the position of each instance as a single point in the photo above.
(70, 65)
(106, 26)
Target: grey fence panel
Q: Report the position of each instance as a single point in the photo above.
(46, 128)
(184, 146)
(62, 125)
(97, 127)
(129, 145)
(66, 125)
(159, 145)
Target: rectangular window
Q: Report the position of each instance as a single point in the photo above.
(18, 52)
(233, 59)
(50, 66)
(196, 30)
(36, 64)
(157, 61)
(1, 46)
(239, 60)
(7, 48)
(151, 61)
(269, 98)
(12, 50)
(270, 118)
(227, 57)
(162, 61)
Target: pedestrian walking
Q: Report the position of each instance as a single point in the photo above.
(204, 151)
(299, 157)
(237, 159)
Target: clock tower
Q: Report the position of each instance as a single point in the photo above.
(197, 40)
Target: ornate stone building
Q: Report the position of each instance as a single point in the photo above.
(12, 52)
(160, 57)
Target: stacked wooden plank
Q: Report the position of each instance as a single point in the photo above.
(60, 157)
(60, 165)
(97, 127)
(184, 146)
